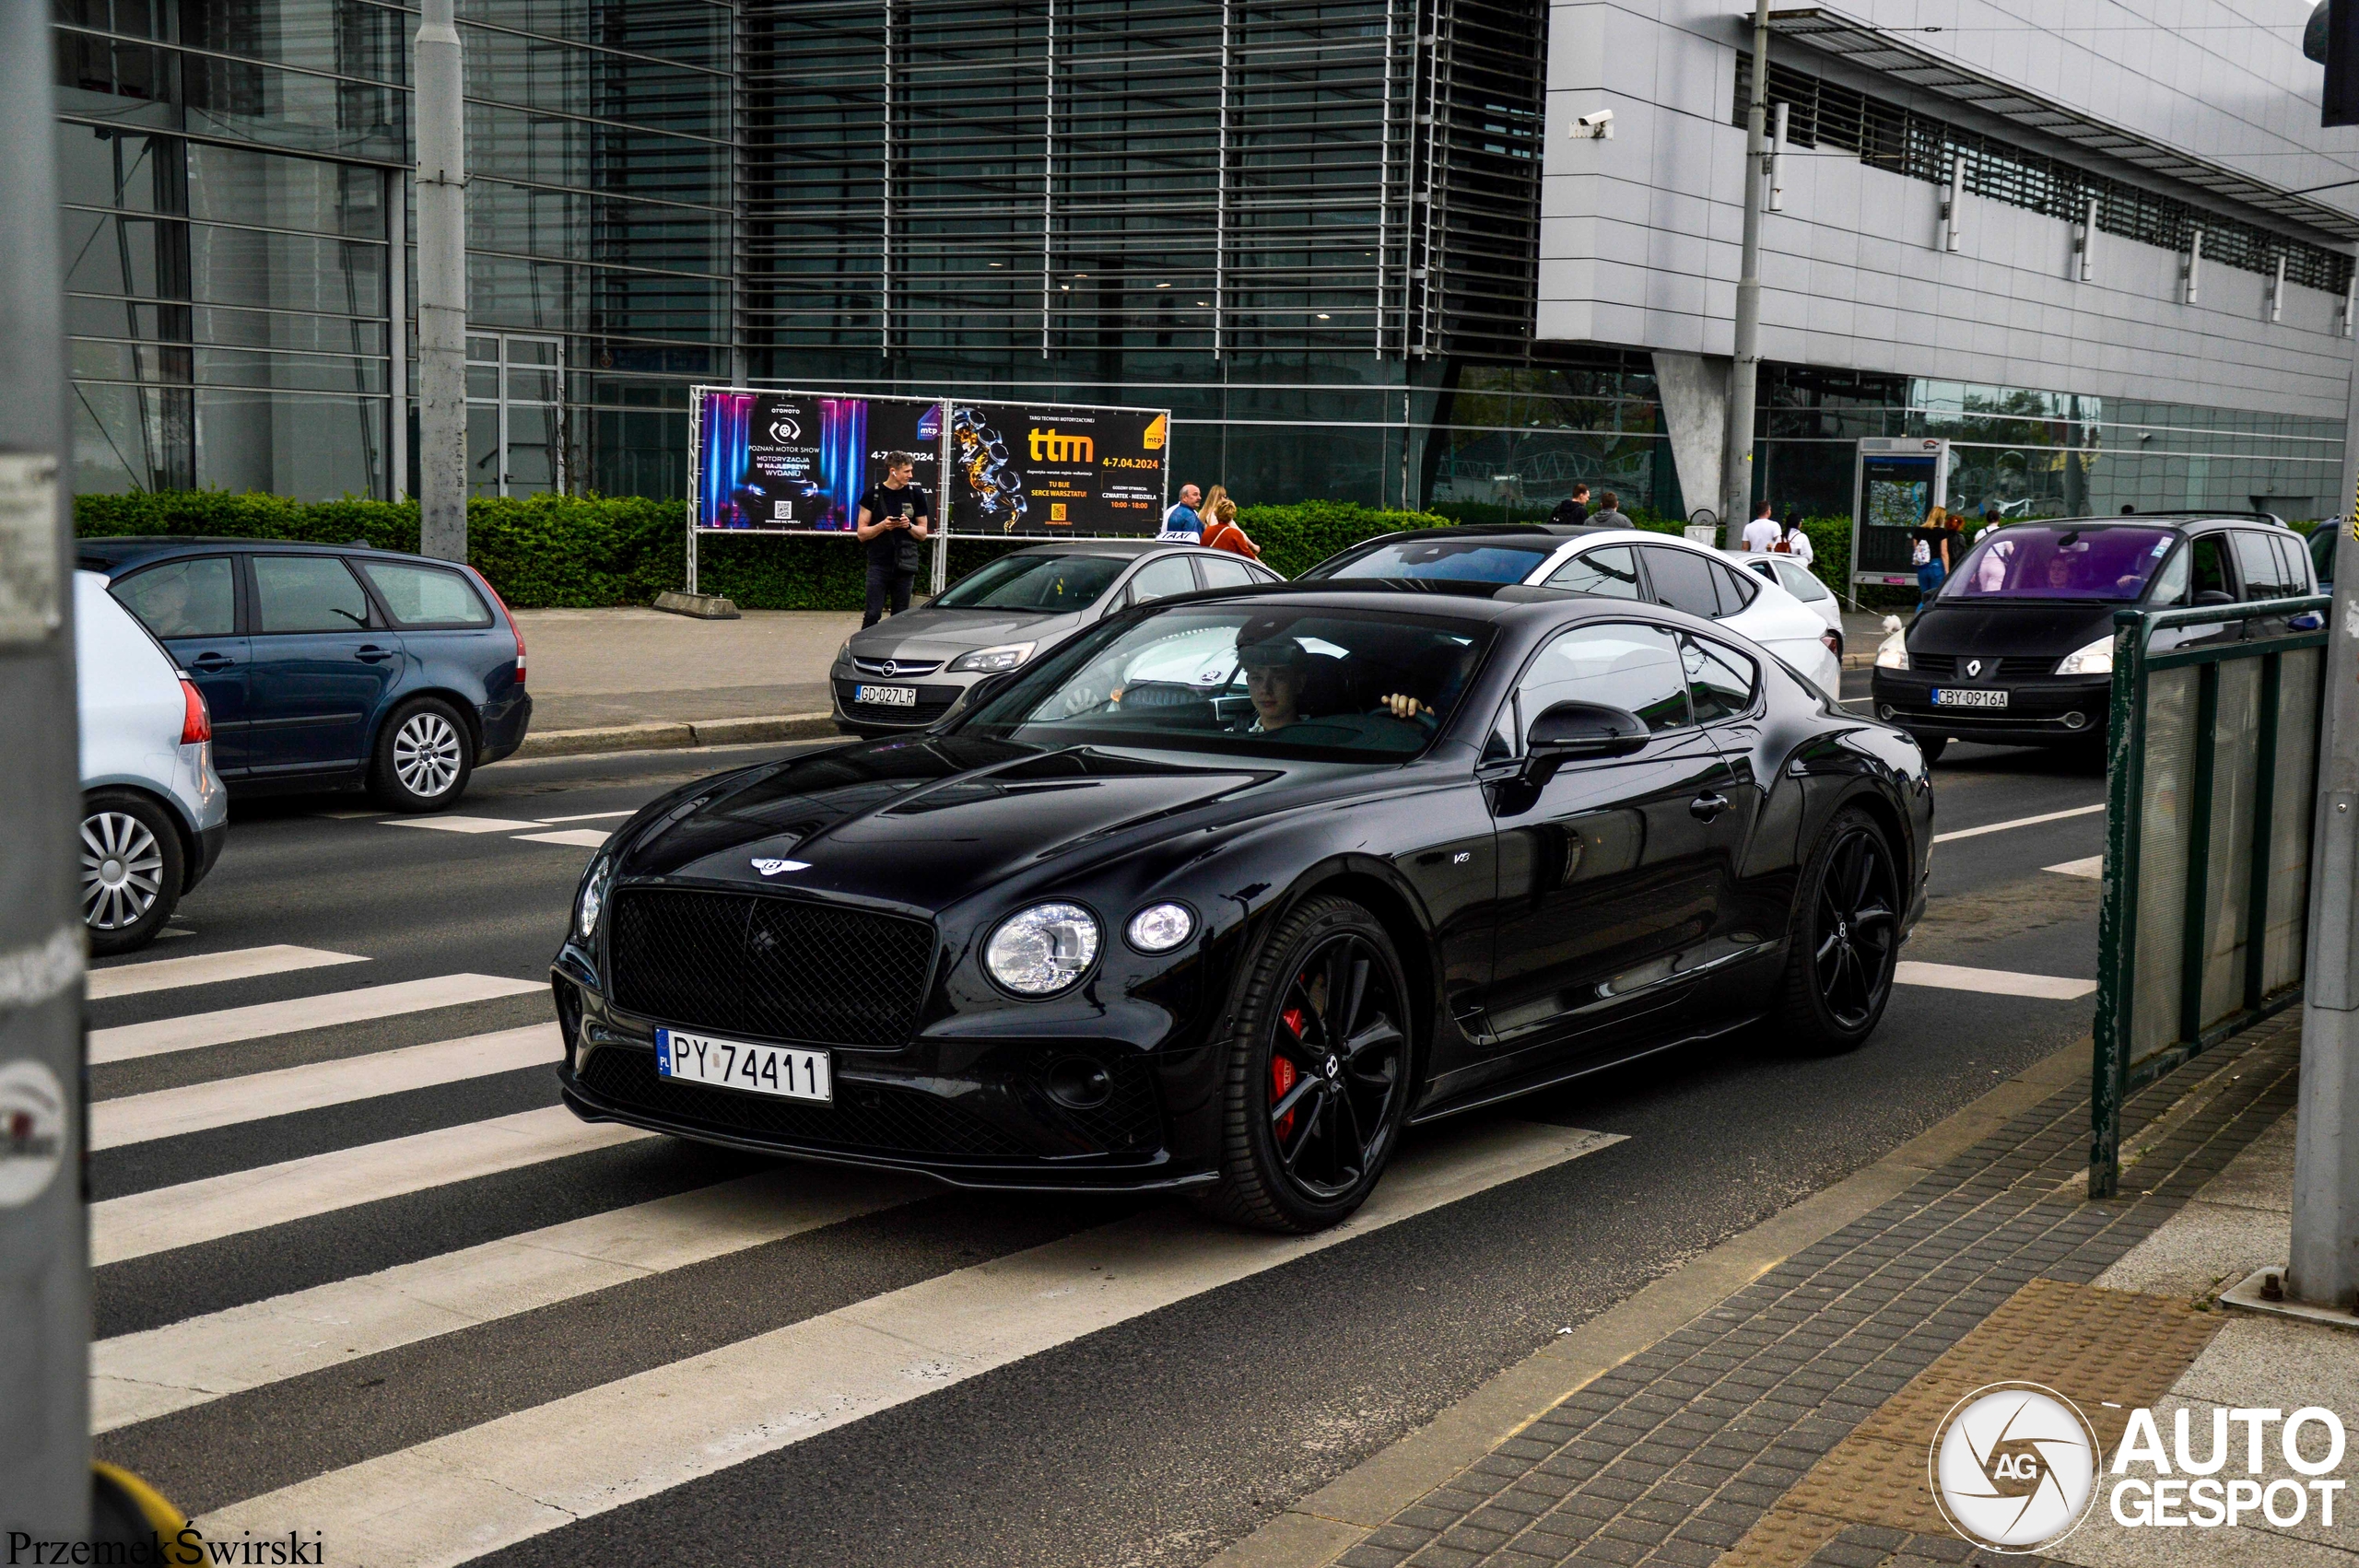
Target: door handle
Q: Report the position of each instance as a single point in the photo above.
(1703, 808)
(371, 654)
(211, 663)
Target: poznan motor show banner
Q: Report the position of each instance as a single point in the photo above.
(791, 463)
(1049, 469)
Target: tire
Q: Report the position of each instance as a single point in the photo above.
(132, 870)
(1843, 939)
(424, 757)
(1310, 1164)
(1932, 746)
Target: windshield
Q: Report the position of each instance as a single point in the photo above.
(1459, 561)
(1051, 584)
(1325, 685)
(2040, 561)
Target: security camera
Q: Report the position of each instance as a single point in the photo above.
(1599, 125)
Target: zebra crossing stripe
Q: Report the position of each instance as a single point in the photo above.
(208, 970)
(227, 1205)
(225, 1102)
(188, 1031)
(471, 1493)
(137, 1377)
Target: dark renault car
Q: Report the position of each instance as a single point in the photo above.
(328, 665)
(2018, 646)
(1225, 892)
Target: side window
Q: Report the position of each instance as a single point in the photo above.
(307, 594)
(1736, 589)
(2256, 563)
(1224, 574)
(2208, 564)
(2322, 543)
(2292, 563)
(1721, 681)
(1630, 667)
(1682, 579)
(1158, 579)
(2170, 584)
(194, 598)
(426, 596)
(1611, 571)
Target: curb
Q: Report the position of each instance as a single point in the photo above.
(677, 736)
(1315, 1530)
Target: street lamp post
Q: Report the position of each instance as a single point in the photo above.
(442, 287)
(1745, 371)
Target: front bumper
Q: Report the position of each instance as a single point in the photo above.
(2043, 711)
(972, 1112)
(937, 694)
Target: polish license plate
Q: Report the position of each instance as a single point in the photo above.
(887, 696)
(782, 1070)
(1955, 697)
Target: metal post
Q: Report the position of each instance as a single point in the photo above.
(1745, 371)
(2088, 237)
(396, 334)
(1777, 160)
(941, 503)
(442, 287)
(44, 1265)
(2194, 266)
(2323, 1265)
(1954, 202)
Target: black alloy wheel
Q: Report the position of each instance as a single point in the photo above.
(1319, 1079)
(1845, 937)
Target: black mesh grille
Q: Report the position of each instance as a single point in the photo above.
(906, 1121)
(1129, 1119)
(775, 968)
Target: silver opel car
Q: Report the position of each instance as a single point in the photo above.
(905, 672)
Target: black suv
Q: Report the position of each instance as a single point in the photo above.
(2018, 646)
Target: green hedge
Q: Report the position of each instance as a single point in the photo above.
(583, 551)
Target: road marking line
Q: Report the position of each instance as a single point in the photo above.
(1992, 982)
(591, 816)
(225, 1102)
(137, 1377)
(471, 1493)
(240, 1202)
(579, 837)
(2019, 821)
(448, 824)
(191, 1030)
(210, 968)
(2093, 867)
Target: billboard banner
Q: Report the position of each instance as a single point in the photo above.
(1046, 469)
(794, 463)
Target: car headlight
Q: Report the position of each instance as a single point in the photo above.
(1044, 950)
(592, 901)
(1159, 928)
(991, 660)
(1893, 652)
(843, 654)
(2095, 660)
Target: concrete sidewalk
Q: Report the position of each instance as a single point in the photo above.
(632, 679)
(1772, 1403)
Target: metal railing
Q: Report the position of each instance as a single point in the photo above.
(2212, 781)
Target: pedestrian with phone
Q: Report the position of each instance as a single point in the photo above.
(893, 523)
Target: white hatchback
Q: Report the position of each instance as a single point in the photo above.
(1618, 563)
(154, 813)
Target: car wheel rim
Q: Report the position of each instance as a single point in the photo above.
(426, 755)
(1858, 924)
(1337, 1054)
(123, 871)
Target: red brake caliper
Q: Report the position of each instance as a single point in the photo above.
(1282, 1073)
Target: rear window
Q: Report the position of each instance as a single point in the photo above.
(423, 597)
(1449, 560)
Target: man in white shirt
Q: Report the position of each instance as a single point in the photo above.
(1762, 533)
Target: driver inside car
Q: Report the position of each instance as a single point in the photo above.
(1277, 672)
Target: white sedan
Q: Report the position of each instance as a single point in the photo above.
(1788, 573)
(1619, 563)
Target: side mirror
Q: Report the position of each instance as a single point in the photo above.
(1576, 732)
(2213, 596)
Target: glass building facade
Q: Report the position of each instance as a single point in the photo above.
(1308, 226)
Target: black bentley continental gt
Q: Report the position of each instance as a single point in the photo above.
(1227, 891)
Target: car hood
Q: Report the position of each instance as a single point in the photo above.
(921, 822)
(943, 633)
(2024, 628)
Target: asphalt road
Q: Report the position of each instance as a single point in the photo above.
(314, 1313)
